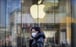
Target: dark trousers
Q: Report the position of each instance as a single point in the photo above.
(30, 43)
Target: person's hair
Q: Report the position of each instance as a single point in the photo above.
(36, 29)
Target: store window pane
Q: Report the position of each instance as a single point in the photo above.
(17, 17)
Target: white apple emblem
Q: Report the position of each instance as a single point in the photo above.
(37, 11)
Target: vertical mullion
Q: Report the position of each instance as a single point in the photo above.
(0, 17)
(71, 19)
(17, 30)
(5, 19)
(21, 24)
(73, 26)
(71, 23)
(15, 24)
(54, 19)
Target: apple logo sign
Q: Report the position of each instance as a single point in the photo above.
(37, 10)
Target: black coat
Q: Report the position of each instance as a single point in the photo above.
(38, 40)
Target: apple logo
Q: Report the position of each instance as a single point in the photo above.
(37, 10)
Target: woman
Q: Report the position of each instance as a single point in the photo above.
(37, 37)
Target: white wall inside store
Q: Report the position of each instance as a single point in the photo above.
(49, 33)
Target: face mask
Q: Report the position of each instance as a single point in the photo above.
(34, 34)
